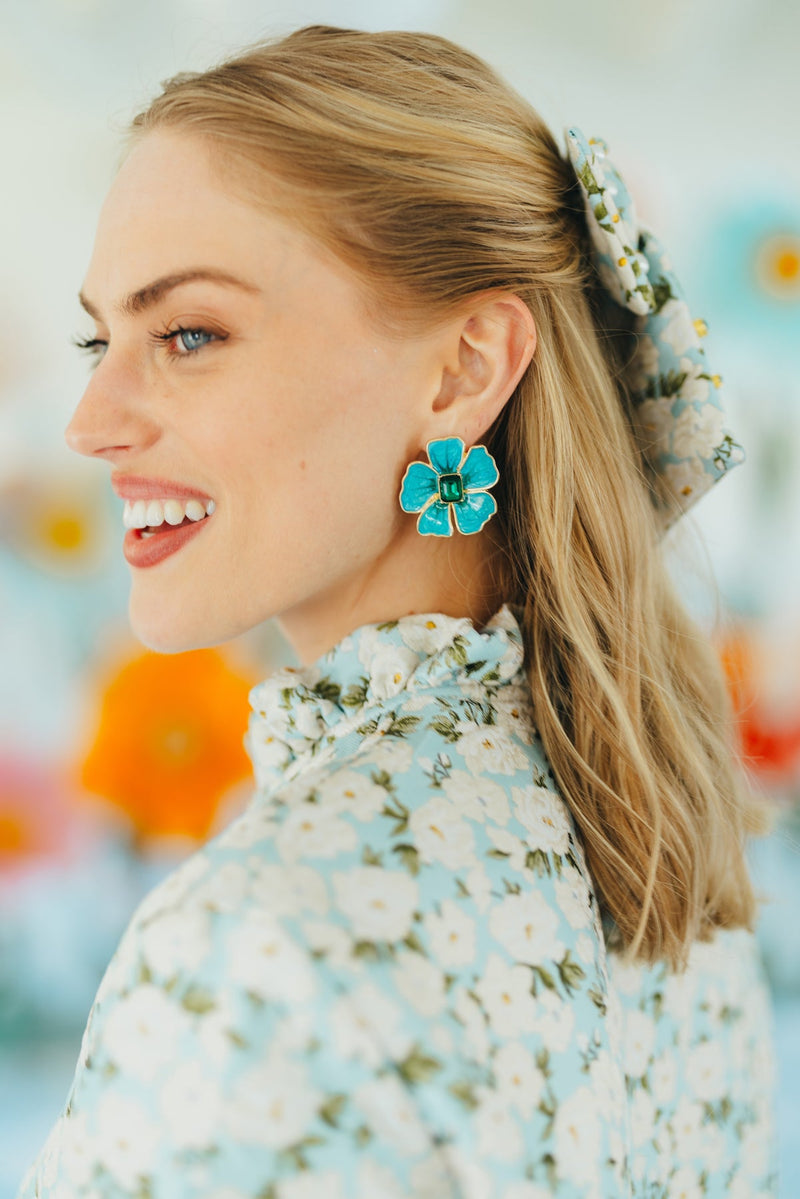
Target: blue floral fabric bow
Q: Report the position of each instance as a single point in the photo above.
(679, 416)
(452, 483)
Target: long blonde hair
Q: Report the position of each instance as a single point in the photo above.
(422, 170)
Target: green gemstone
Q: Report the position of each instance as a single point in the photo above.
(451, 489)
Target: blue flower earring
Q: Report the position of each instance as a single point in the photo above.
(453, 482)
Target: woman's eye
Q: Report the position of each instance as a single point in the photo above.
(192, 339)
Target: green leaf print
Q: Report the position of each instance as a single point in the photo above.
(409, 857)
(464, 1092)
(327, 689)
(661, 292)
(417, 1066)
(413, 942)
(398, 813)
(362, 1135)
(445, 726)
(331, 1109)
(198, 1000)
(570, 972)
(370, 858)
(356, 695)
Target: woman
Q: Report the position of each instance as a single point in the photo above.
(370, 361)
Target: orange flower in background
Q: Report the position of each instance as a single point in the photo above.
(37, 816)
(769, 744)
(169, 742)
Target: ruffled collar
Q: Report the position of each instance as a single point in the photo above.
(299, 711)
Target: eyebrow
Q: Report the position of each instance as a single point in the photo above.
(145, 297)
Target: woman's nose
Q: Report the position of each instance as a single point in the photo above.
(108, 422)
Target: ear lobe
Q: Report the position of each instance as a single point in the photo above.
(496, 341)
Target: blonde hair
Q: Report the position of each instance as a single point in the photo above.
(422, 170)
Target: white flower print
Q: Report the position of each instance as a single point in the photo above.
(376, 1180)
(554, 1021)
(607, 1080)
(126, 1139)
(577, 1137)
(392, 754)
(479, 799)
(497, 1130)
(698, 432)
(190, 1104)
(520, 1081)
(452, 934)
(572, 892)
(643, 1115)
(332, 942)
(705, 1071)
(441, 834)
(390, 668)
(380, 903)
(685, 1184)
(264, 959)
(677, 328)
(171, 890)
(687, 478)
(694, 388)
(430, 1179)
(479, 885)
(526, 1190)
(287, 890)
(474, 1181)
(505, 992)
(655, 420)
(471, 1016)
(646, 362)
(390, 1112)
(271, 1104)
(754, 1156)
(640, 1037)
(687, 1129)
(355, 1017)
(526, 925)
(420, 982)
(176, 941)
(312, 1185)
(222, 889)
(349, 791)
(256, 824)
(214, 1031)
(664, 1077)
(77, 1152)
(544, 815)
(513, 847)
(513, 707)
(141, 1031)
(426, 636)
(488, 748)
(313, 830)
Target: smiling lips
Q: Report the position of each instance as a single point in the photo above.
(160, 518)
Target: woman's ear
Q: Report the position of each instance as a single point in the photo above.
(496, 339)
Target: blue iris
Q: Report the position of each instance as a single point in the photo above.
(450, 474)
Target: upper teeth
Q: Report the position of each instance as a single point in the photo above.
(141, 514)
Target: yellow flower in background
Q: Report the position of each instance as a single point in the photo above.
(61, 524)
(777, 263)
(169, 742)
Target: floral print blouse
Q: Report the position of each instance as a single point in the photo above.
(388, 977)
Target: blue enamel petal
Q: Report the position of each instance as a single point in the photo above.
(446, 454)
(436, 519)
(480, 469)
(419, 484)
(474, 511)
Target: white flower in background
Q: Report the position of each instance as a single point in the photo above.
(390, 668)
(313, 830)
(554, 1020)
(293, 1031)
(474, 1022)
(705, 1070)
(677, 328)
(427, 636)
(664, 1077)
(685, 1184)
(608, 1081)
(754, 1151)
(190, 1105)
(520, 1082)
(393, 754)
(577, 1137)
(473, 1180)
(488, 748)
(441, 834)
(505, 992)
(526, 925)
(312, 1184)
(356, 1016)
(349, 791)
(420, 982)
(126, 1139)
(380, 903)
(496, 1128)
(476, 798)
(287, 890)
(514, 708)
(452, 934)
(687, 478)
(271, 1104)
(640, 1039)
(143, 1030)
(176, 941)
(390, 1111)
(544, 815)
(263, 958)
(572, 896)
(307, 719)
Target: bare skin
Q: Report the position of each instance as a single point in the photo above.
(286, 406)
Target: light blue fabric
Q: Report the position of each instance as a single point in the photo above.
(387, 978)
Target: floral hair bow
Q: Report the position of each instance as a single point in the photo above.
(678, 412)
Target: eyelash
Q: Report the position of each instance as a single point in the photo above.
(92, 345)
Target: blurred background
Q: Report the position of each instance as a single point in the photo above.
(115, 763)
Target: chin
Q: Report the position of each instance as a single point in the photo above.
(169, 633)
